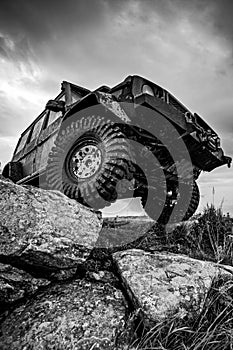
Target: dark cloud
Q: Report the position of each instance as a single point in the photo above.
(40, 21)
(3, 48)
(40, 31)
(222, 18)
(77, 30)
(3, 53)
(217, 13)
(18, 52)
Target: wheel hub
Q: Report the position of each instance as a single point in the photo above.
(86, 161)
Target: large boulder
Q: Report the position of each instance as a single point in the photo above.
(165, 285)
(79, 315)
(44, 229)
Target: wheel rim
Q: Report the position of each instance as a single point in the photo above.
(85, 161)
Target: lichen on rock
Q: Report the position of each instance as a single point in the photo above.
(16, 284)
(79, 315)
(165, 284)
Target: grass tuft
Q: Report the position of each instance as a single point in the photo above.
(212, 329)
(205, 238)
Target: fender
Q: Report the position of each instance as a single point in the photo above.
(106, 100)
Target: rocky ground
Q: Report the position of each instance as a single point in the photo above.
(61, 288)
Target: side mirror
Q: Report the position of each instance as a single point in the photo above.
(228, 160)
(55, 106)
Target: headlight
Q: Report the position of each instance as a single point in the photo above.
(146, 89)
(218, 142)
(189, 117)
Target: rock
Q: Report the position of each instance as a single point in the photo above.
(66, 274)
(44, 229)
(16, 284)
(165, 285)
(103, 276)
(79, 315)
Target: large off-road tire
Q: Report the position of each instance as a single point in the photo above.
(13, 171)
(153, 195)
(155, 204)
(168, 208)
(90, 156)
(150, 180)
(194, 202)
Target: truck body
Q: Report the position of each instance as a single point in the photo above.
(126, 104)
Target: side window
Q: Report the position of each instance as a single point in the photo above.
(159, 93)
(22, 142)
(75, 97)
(37, 128)
(55, 115)
(117, 93)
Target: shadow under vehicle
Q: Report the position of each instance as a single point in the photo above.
(110, 143)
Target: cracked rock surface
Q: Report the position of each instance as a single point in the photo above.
(165, 284)
(16, 284)
(44, 229)
(79, 315)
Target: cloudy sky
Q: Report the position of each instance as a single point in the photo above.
(184, 46)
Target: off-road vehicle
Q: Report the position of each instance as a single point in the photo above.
(132, 140)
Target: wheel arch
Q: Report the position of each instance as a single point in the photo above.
(105, 102)
(13, 171)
